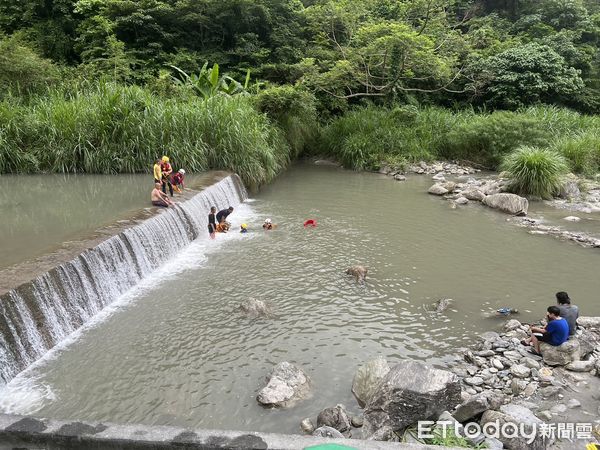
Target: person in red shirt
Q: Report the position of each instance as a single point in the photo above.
(167, 170)
(177, 180)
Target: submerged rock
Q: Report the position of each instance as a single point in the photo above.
(287, 383)
(255, 308)
(509, 203)
(411, 391)
(441, 305)
(367, 378)
(336, 417)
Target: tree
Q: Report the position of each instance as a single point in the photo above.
(21, 69)
(525, 75)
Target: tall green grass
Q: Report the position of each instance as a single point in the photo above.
(367, 137)
(116, 129)
(534, 171)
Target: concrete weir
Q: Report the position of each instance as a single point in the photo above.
(41, 311)
(33, 434)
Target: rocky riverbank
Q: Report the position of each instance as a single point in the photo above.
(462, 184)
(553, 400)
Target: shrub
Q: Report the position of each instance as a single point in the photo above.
(534, 171)
(486, 138)
(294, 111)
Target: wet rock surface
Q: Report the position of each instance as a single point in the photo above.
(286, 385)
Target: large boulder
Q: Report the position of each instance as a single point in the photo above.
(561, 355)
(287, 384)
(518, 417)
(336, 417)
(508, 203)
(411, 391)
(367, 378)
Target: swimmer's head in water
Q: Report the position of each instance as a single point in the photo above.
(267, 220)
(244, 226)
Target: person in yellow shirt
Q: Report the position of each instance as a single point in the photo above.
(157, 172)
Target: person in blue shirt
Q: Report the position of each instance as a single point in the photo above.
(554, 333)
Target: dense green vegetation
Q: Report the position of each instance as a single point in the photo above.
(108, 85)
(363, 138)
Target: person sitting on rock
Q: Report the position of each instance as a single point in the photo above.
(555, 333)
(567, 311)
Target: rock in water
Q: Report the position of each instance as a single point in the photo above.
(442, 304)
(437, 189)
(307, 425)
(473, 194)
(335, 418)
(509, 203)
(358, 272)
(287, 383)
(411, 391)
(367, 378)
(255, 308)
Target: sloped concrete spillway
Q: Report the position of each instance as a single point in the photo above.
(37, 315)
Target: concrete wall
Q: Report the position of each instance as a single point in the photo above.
(19, 432)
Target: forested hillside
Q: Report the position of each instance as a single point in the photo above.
(313, 60)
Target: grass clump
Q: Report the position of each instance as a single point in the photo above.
(364, 138)
(534, 171)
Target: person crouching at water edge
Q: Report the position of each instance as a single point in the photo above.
(212, 222)
(555, 333)
(177, 181)
(268, 225)
(159, 198)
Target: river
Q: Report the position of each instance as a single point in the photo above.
(176, 351)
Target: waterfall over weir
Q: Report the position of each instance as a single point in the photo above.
(37, 315)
